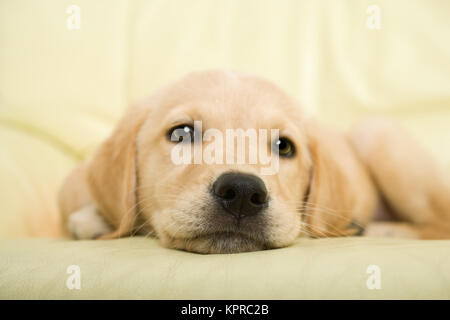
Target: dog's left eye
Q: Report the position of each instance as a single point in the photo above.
(181, 133)
(285, 147)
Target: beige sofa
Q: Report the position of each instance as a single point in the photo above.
(62, 89)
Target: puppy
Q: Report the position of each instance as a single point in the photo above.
(326, 184)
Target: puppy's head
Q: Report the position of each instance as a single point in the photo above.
(220, 206)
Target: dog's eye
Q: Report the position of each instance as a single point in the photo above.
(181, 133)
(285, 147)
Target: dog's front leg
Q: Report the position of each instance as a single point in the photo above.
(87, 223)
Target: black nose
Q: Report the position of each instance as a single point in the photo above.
(240, 194)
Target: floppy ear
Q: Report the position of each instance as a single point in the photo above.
(341, 196)
(111, 174)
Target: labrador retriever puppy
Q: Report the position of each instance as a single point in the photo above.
(326, 183)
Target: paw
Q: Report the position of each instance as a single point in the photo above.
(390, 230)
(86, 223)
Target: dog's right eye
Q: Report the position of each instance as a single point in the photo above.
(181, 133)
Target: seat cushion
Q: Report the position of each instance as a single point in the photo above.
(139, 268)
